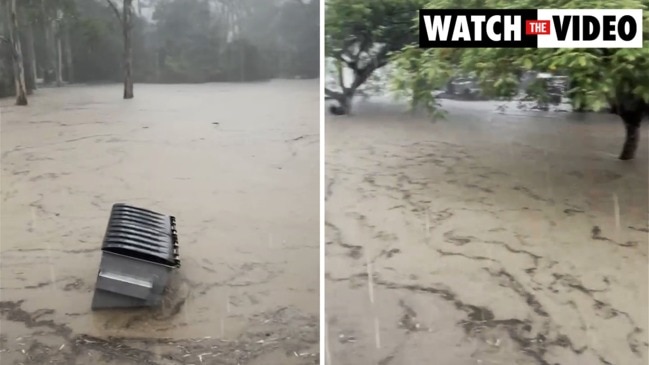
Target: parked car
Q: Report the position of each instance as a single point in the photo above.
(466, 88)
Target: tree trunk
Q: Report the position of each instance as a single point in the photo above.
(631, 109)
(241, 62)
(50, 50)
(127, 27)
(17, 55)
(31, 56)
(68, 56)
(58, 71)
(30, 81)
(344, 100)
(632, 120)
(49, 75)
(59, 62)
(347, 99)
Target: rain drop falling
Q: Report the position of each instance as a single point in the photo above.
(377, 333)
(370, 282)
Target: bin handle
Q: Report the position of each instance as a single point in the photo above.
(174, 236)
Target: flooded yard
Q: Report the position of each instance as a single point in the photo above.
(236, 164)
(485, 238)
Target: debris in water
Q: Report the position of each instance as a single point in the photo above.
(296, 138)
(595, 232)
(495, 343)
(116, 278)
(61, 348)
(343, 339)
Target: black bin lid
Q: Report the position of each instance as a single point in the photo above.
(143, 234)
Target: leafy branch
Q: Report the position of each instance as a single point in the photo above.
(113, 6)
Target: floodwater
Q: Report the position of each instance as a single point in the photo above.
(237, 164)
(485, 238)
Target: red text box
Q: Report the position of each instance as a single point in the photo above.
(536, 27)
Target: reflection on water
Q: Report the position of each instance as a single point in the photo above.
(485, 238)
(236, 164)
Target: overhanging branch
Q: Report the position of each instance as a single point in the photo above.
(115, 9)
(344, 50)
(364, 46)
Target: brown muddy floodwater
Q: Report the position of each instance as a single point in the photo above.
(237, 164)
(485, 238)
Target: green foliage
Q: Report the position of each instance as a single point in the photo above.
(6, 72)
(387, 22)
(601, 76)
(297, 38)
(415, 84)
(363, 33)
(243, 62)
(287, 36)
(188, 43)
(97, 45)
(273, 40)
(39, 11)
(99, 58)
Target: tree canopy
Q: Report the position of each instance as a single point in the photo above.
(600, 76)
(361, 35)
(186, 41)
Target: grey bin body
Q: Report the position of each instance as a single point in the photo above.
(139, 251)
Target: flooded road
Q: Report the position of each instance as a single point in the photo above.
(485, 238)
(237, 164)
